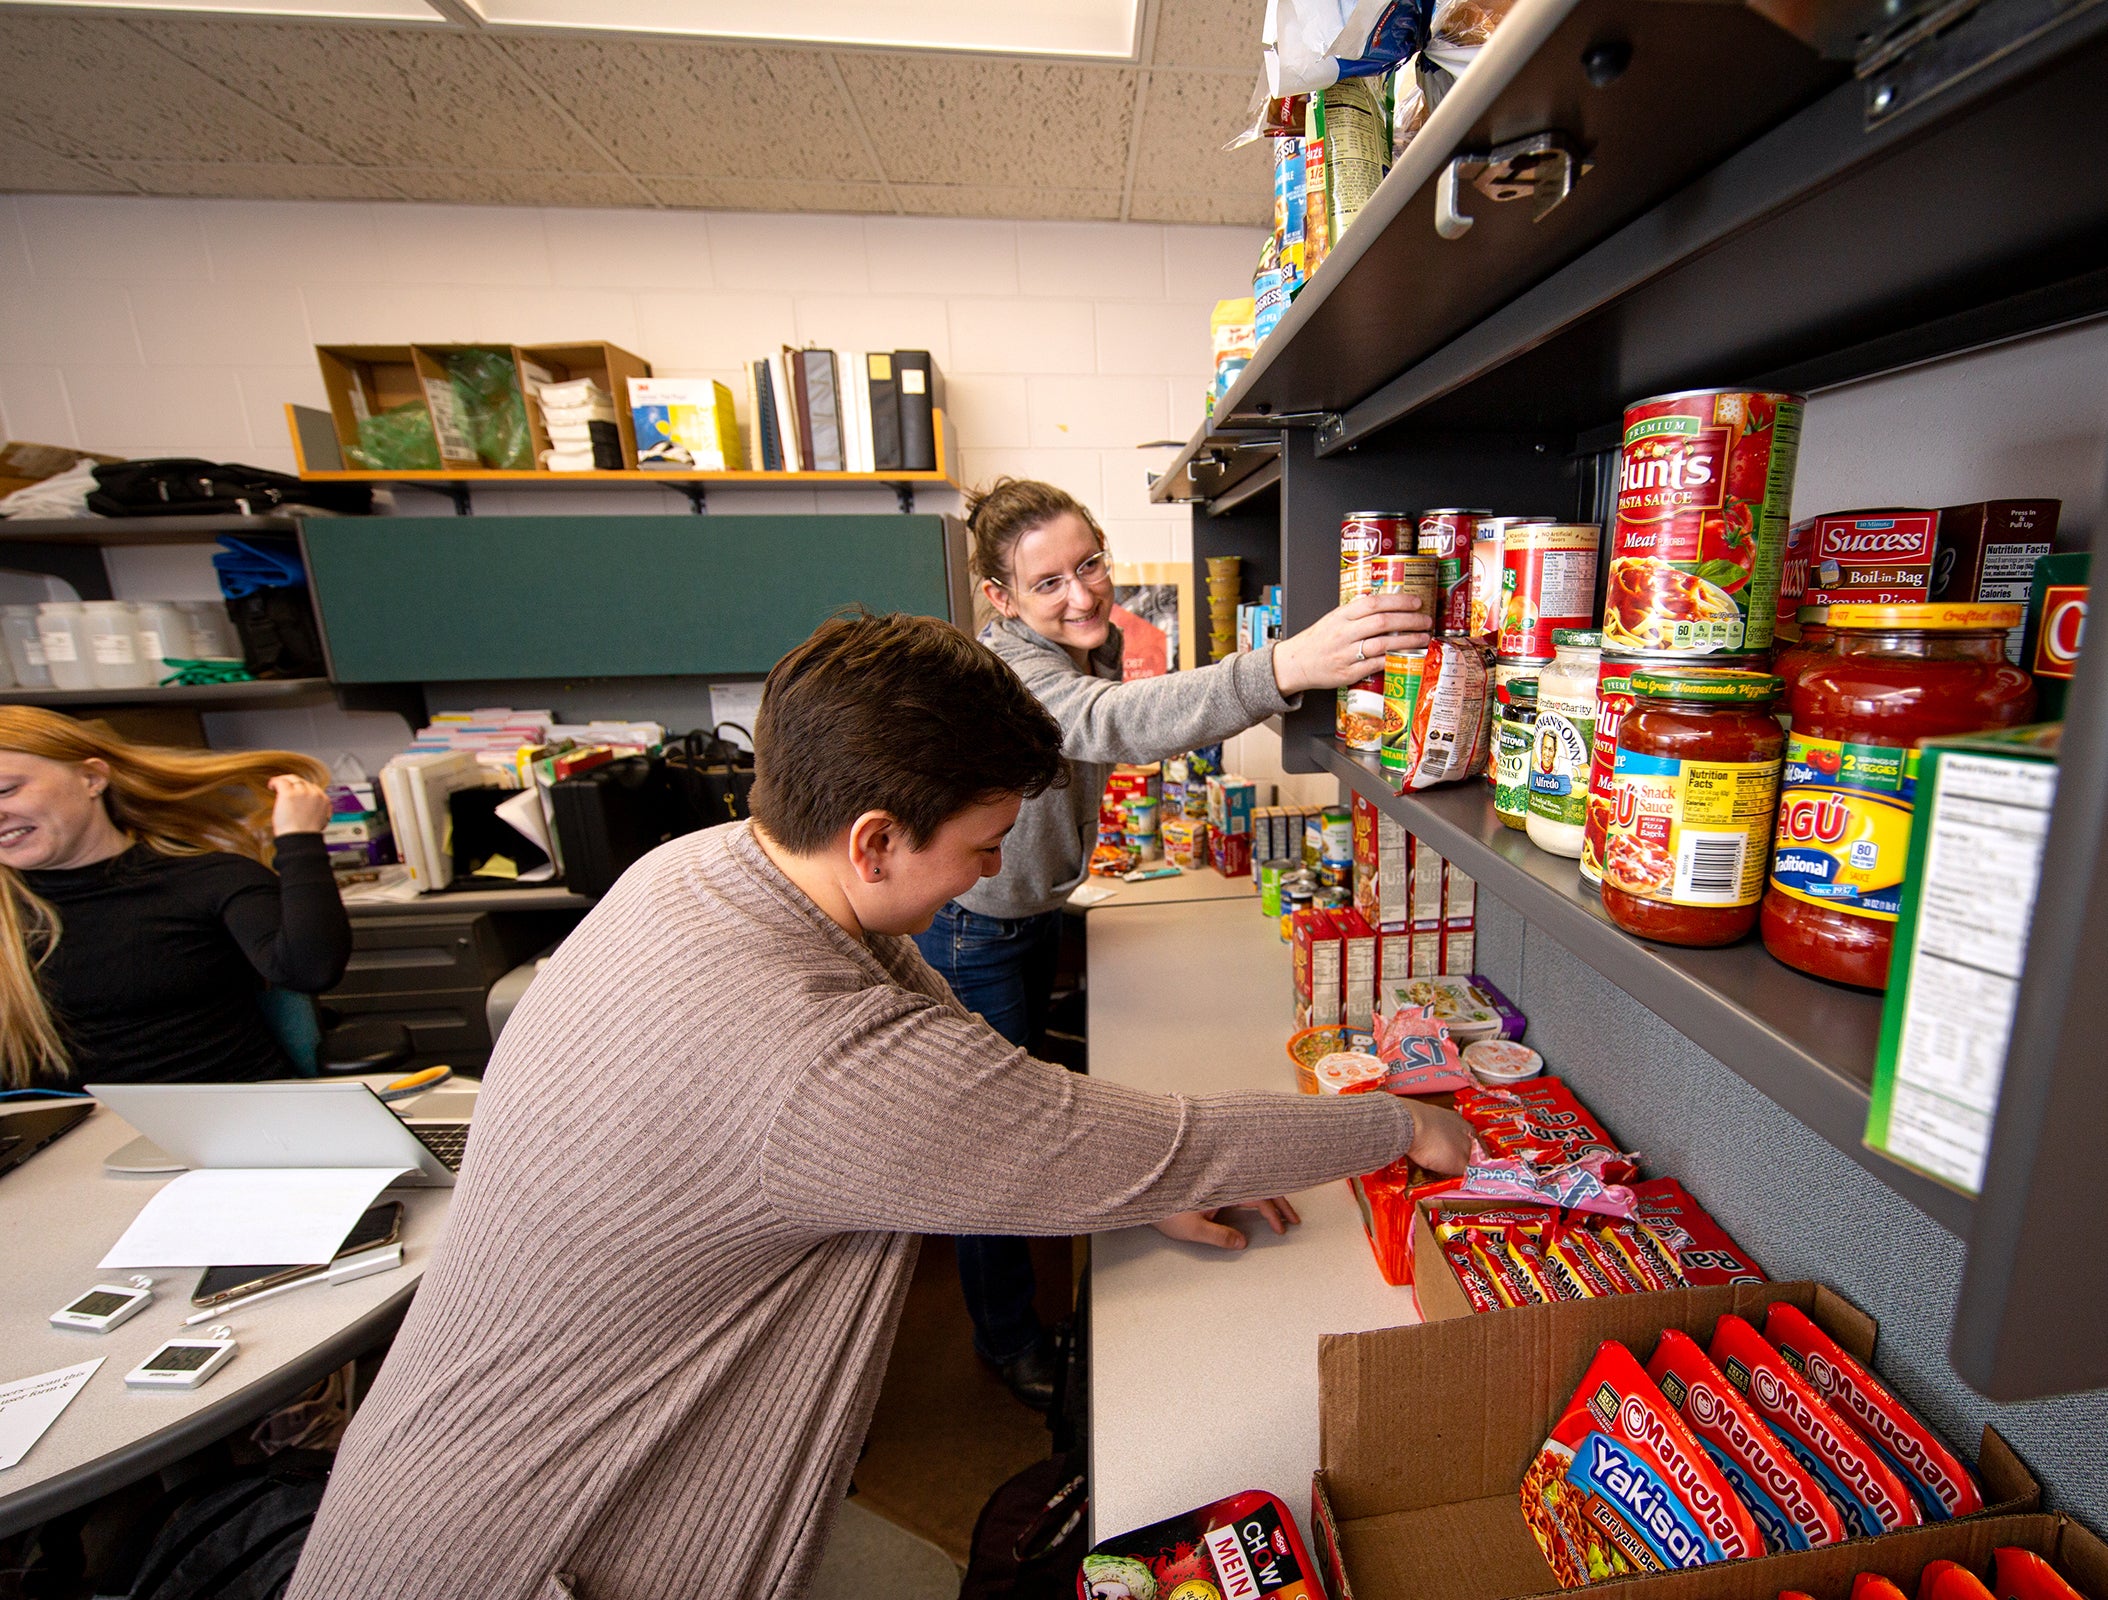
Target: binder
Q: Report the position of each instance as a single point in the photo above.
(921, 392)
(824, 407)
(768, 448)
(797, 425)
(882, 389)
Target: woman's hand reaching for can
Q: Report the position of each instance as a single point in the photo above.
(1349, 644)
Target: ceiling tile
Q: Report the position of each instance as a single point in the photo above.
(497, 187)
(767, 194)
(702, 110)
(241, 180)
(992, 200)
(1186, 120)
(388, 97)
(1172, 206)
(950, 120)
(1223, 34)
(98, 87)
(25, 167)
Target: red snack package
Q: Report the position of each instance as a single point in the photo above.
(1530, 1262)
(1795, 1594)
(1871, 1498)
(1940, 1479)
(1872, 1586)
(1478, 1288)
(1647, 1260)
(1510, 1285)
(1451, 1220)
(1567, 1252)
(1616, 1271)
(2023, 1575)
(1949, 1580)
(1541, 1121)
(1711, 1256)
(1790, 1507)
(1242, 1544)
(1622, 1485)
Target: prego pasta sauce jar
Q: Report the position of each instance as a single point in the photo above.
(1895, 675)
(1695, 790)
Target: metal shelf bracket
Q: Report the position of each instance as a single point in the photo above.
(1541, 166)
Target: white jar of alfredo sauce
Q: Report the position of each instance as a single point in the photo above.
(1565, 739)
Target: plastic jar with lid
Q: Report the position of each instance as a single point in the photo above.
(1514, 733)
(1565, 734)
(211, 634)
(63, 628)
(113, 645)
(1896, 675)
(25, 646)
(163, 632)
(1693, 795)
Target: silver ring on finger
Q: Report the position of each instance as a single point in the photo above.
(1358, 655)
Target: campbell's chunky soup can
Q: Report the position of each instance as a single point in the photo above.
(1704, 491)
(1447, 535)
(1547, 583)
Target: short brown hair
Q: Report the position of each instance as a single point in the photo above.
(900, 714)
(1010, 508)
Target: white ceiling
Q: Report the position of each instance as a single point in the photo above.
(187, 105)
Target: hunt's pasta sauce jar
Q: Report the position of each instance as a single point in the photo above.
(1694, 790)
(1895, 675)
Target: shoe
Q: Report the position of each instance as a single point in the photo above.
(1030, 1378)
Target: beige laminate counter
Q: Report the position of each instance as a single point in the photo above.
(1203, 1363)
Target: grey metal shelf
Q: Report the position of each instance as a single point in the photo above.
(462, 902)
(1805, 1044)
(222, 696)
(137, 530)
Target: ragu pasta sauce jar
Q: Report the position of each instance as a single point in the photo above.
(1695, 791)
(1703, 490)
(1896, 674)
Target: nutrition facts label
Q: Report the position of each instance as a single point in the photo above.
(1983, 860)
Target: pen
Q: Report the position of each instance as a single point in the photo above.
(363, 1265)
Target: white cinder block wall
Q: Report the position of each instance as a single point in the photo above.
(148, 327)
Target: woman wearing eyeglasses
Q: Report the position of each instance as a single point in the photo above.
(1044, 568)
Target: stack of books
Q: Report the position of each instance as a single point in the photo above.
(829, 411)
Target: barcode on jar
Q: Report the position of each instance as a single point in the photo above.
(1709, 867)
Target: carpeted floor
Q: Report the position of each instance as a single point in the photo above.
(870, 1558)
(946, 1432)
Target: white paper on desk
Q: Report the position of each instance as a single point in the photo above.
(250, 1217)
(1091, 894)
(524, 812)
(28, 1406)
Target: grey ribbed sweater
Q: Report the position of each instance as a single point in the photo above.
(1103, 721)
(647, 1346)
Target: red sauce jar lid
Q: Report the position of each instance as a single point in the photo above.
(1712, 688)
(1964, 617)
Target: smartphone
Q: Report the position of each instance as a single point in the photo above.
(382, 1224)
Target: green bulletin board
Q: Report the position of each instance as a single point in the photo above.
(425, 599)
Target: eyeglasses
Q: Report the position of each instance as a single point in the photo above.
(1090, 572)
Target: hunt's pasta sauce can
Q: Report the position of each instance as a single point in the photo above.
(1704, 491)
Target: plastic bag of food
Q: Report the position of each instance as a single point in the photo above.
(1450, 722)
(488, 387)
(1318, 43)
(399, 439)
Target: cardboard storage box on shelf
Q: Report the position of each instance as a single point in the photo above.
(1425, 1432)
(608, 365)
(23, 463)
(365, 380)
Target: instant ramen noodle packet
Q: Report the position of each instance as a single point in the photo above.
(1623, 1485)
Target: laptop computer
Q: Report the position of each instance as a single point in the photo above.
(27, 1127)
(205, 1125)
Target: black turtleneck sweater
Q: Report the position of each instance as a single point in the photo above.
(160, 959)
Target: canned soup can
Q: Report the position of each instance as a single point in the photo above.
(1365, 538)
(1704, 492)
(1447, 535)
(1548, 582)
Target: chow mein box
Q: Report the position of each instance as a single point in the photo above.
(1425, 1433)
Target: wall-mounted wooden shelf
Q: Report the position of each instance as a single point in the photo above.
(210, 696)
(312, 433)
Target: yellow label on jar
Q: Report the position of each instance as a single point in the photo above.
(1844, 825)
(1690, 833)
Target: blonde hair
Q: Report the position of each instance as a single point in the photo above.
(178, 802)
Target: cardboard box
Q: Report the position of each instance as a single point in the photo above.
(364, 380)
(1230, 803)
(1460, 951)
(2056, 627)
(1357, 971)
(1425, 893)
(1460, 902)
(23, 463)
(684, 425)
(608, 365)
(1382, 867)
(1424, 1434)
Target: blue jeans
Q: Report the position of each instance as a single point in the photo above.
(1002, 967)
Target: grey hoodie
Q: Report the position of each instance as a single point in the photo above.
(1104, 721)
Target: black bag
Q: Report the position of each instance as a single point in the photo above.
(179, 486)
(611, 816)
(277, 628)
(713, 778)
(236, 1537)
(1029, 1541)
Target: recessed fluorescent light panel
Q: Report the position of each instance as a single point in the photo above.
(367, 10)
(1092, 28)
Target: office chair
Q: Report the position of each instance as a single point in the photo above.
(317, 1041)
